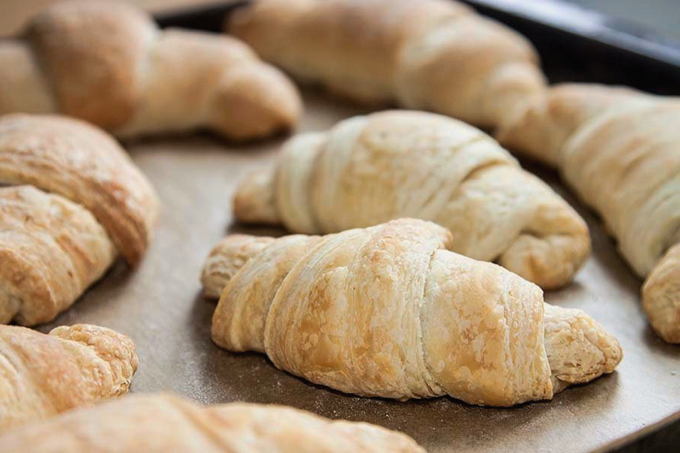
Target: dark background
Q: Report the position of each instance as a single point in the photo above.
(661, 16)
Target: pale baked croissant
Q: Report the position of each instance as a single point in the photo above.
(370, 169)
(162, 422)
(389, 311)
(78, 201)
(109, 64)
(620, 151)
(42, 375)
(424, 54)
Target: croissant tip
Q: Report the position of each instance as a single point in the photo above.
(579, 348)
(108, 344)
(255, 101)
(242, 202)
(254, 201)
(226, 259)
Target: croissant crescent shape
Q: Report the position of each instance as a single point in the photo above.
(42, 375)
(389, 311)
(618, 149)
(78, 201)
(161, 422)
(370, 169)
(145, 80)
(424, 54)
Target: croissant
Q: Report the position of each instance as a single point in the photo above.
(423, 54)
(388, 311)
(163, 422)
(108, 63)
(618, 149)
(42, 375)
(77, 202)
(370, 169)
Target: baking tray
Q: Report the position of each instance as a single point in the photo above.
(575, 44)
(160, 306)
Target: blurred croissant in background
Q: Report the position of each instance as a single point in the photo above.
(421, 54)
(134, 79)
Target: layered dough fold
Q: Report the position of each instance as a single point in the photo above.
(71, 200)
(43, 375)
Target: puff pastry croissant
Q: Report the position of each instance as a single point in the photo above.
(143, 80)
(370, 169)
(619, 150)
(162, 422)
(42, 375)
(389, 311)
(424, 54)
(77, 202)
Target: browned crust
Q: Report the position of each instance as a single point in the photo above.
(161, 422)
(226, 259)
(73, 366)
(431, 54)
(92, 55)
(109, 64)
(317, 41)
(354, 310)
(51, 249)
(82, 163)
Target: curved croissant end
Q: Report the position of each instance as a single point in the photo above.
(224, 87)
(661, 296)
(432, 54)
(579, 349)
(388, 311)
(254, 201)
(145, 80)
(226, 259)
(370, 169)
(116, 349)
(92, 364)
(181, 425)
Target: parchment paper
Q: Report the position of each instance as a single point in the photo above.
(159, 305)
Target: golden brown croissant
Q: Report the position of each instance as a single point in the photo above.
(389, 311)
(42, 375)
(79, 198)
(162, 422)
(109, 64)
(370, 169)
(618, 149)
(424, 54)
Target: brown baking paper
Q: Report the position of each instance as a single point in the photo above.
(160, 306)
